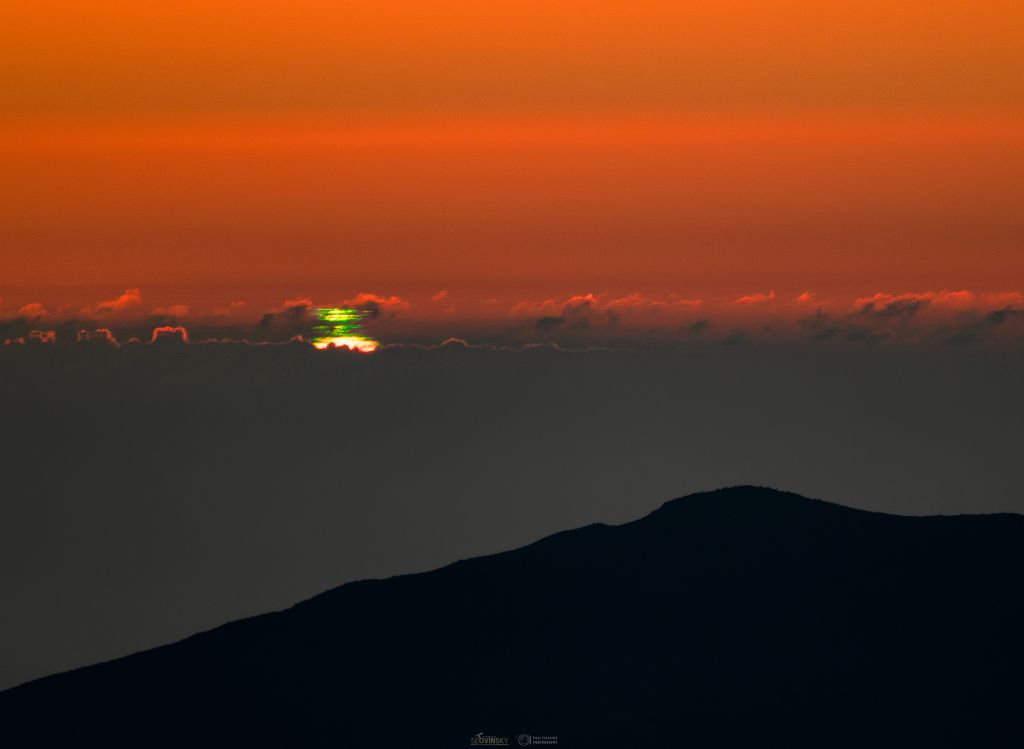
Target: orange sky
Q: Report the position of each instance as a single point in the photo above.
(214, 150)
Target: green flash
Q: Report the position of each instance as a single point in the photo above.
(338, 326)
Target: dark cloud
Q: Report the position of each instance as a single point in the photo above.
(288, 314)
(581, 313)
(830, 332)
(897, 308)
(916, 321)
(1001, 316)
(293, 318)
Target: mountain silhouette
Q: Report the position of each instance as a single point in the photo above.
(740, 617)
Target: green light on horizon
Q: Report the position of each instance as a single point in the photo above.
(338, 327)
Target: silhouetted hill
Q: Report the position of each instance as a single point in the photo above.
(742, 617)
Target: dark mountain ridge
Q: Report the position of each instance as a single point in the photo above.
(740, 617)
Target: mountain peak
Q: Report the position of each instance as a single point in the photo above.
(743, 616)
(743, 502)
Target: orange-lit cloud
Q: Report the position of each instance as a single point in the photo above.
(962, 299)
(1001, 300)
(175, 333)
(576, 321)
(755, 298)
(99, 335)
(33, 310)
(377, 306)
(128, 302)
(585, 303)
(638, 301)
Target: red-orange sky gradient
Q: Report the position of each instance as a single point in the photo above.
(219, 151)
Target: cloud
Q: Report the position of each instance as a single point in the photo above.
(755, 298)
(995, 325)
(623, 321)
(938, 317)
(440, 296)
(99, 335)
(549, 322)
(461, 344)
(294, 304)
(583, 311)
(895, 308)
(901, 303)
(33, 311)
(956, 299)
(1002, 316)
(581, 308)
(527, 308)
(292, 312)
(169, 334)
(579, 312)
(228, 309)
(127, 302)
(377, 306)
(637, 301)
(868, 324)
(42, 336)
(1002, 299)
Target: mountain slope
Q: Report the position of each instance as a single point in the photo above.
(742, 617)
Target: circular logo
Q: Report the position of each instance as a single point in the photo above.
(524, 739)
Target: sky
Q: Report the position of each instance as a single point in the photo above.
(218, 152)
(595, 255)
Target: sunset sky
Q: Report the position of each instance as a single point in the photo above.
(297, 293)
(507, 153)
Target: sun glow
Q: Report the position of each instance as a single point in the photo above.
(358, 344)
(338, 327)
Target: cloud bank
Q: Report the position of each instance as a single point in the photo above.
(634, 321)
